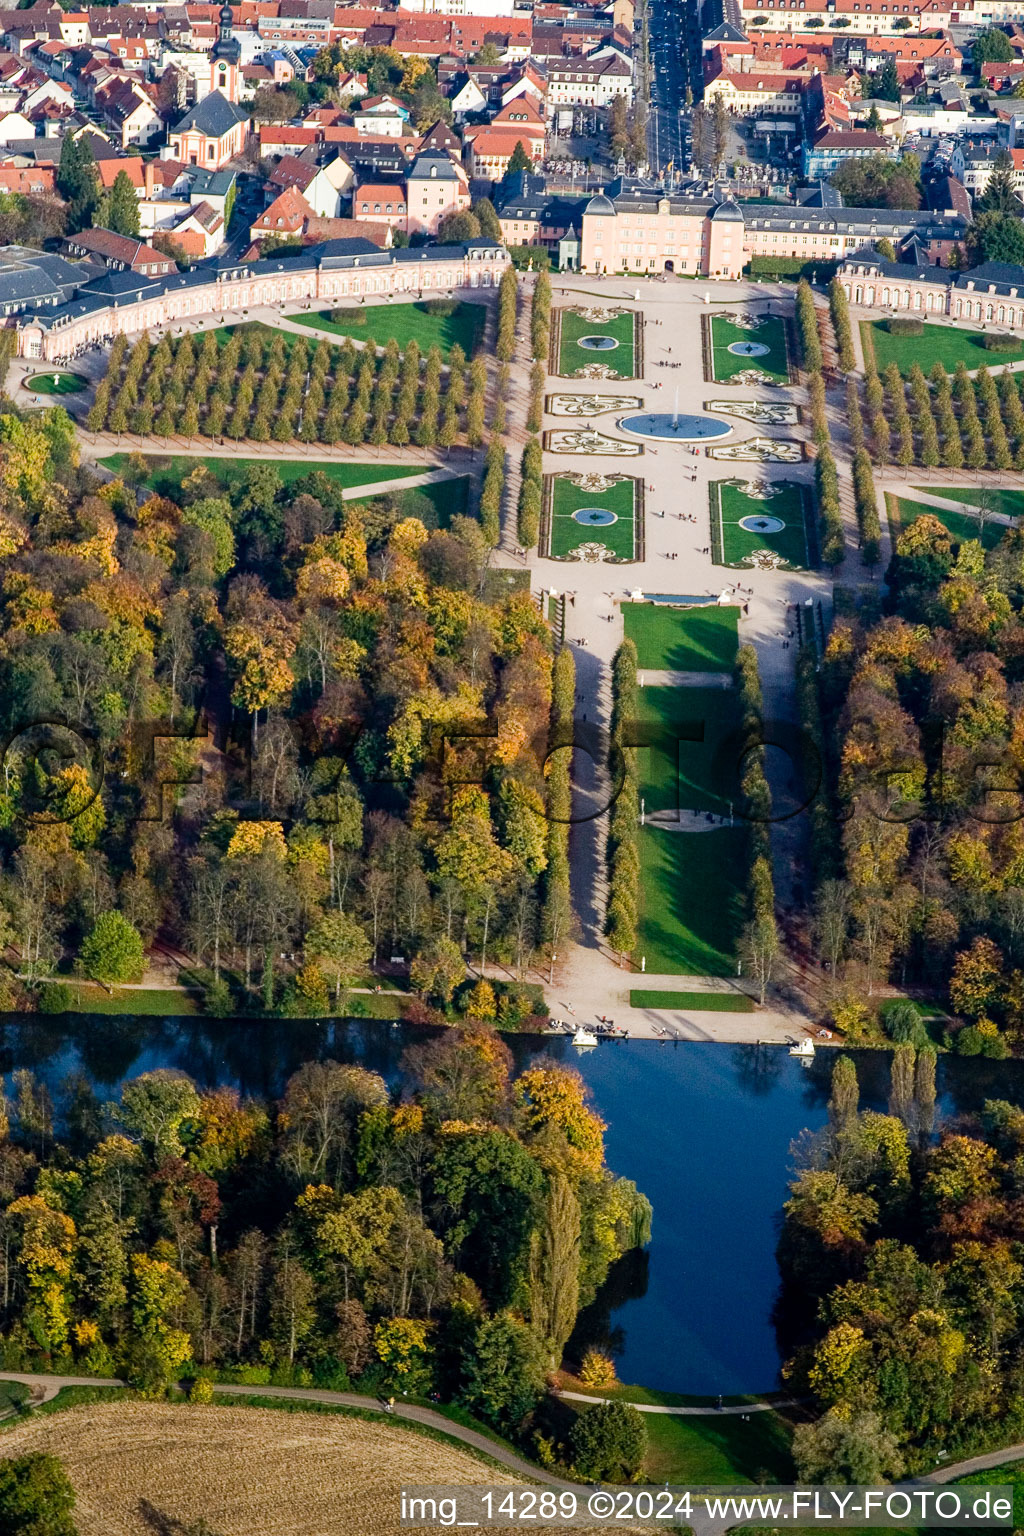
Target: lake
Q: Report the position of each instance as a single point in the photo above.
(705, 1130)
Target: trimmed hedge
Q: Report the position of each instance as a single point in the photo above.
(840, 311)
(791, 266)
(623, 850)
(493, 490)
(830, 521)
(530, 494)
(866, 503)
(904, 325)
(807, 328)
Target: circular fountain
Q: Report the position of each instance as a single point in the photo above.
(749, 349)
(674, 427)
(595, 517)
(597, 343)
(761, 523)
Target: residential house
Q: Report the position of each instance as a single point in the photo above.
(435, 187)
(320, 185)
(973, 164)
(588, 82)
(832, 147)
(381, 115)
(130, 111)
(381, 203)
(750, 94)
(200, 233)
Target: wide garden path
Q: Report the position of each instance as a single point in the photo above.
(677, 559)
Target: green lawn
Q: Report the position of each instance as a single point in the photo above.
(1009, 503)
(162, 1002)
(57, 384)
(693, 1002)
(567, 534)
(682, 639)
(721, 1449)
(166, 473)
(770, 332)
(692, 886)
(435, 505)
(734, 545)
(678, 773)
(902, 512)
(943, 344)
(621, 360)
(403, 322)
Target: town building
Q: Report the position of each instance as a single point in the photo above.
(210, 134)
(435, 186)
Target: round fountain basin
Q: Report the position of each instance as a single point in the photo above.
(749, 349)
(760, 522)
(680, 429)
(595, 517)
(598, 343)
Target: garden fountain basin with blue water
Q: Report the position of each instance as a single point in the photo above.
(597, 343)
(674, 427)
(595, 517)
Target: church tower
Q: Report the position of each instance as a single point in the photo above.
(224, 59)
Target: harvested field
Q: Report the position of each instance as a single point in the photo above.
(243, 1470)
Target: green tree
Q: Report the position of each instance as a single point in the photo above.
(77, 182)
(123, 207)
(153, 1109)
(991, 47)
(455, 228)
(887, 82)
(113, 951)
(340, 947)
(840, 1448)
(608, 1443)
(36, 1497)
(1000, 195)
(995, 237)
(519, 160)
(555, 1267)
(504, 1372)
(488, 1191)
(490, 224)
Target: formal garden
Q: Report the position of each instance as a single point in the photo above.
(444, 323)
(682, 639)
(258, 384)
(593, 341)
(909, 341)
(592, 517)
(762, 523)
(747, 349)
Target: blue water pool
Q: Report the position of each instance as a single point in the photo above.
(678, 428)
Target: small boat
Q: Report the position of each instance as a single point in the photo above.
(583, 1037)
(805, 1048)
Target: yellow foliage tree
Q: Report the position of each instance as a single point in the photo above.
(251, 838)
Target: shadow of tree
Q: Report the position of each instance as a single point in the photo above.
(162, 1524)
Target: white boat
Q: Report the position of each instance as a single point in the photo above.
(583, 1037)
(805, 1048)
